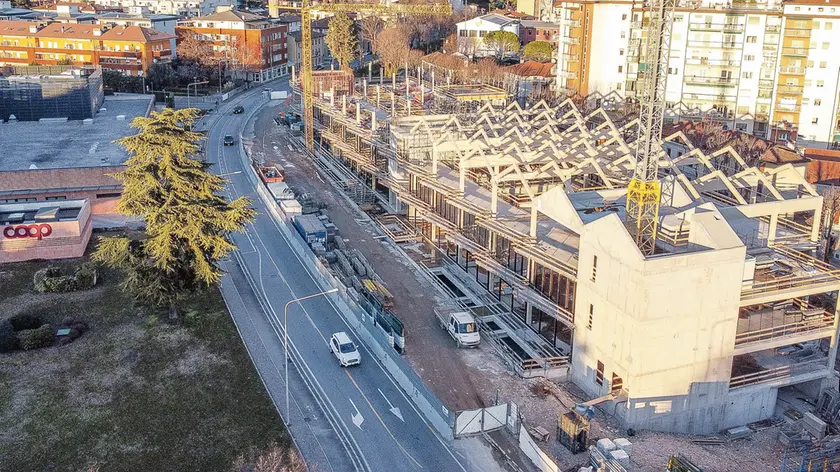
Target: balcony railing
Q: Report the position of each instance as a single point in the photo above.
(715, 44)
(716, 27)
(725, 81)
(572, 23)
(795, 52)
(792, 70)
(812, 276)
(797, 33)
(771, 29)
(571, 57)
(807, 319)
(788, 108)
(762, 116)
(570, 40)
(777, 373)
(792, 89)
(567, 74)
(635, 24)
(703, 61)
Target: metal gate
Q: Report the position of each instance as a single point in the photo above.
(482, 420)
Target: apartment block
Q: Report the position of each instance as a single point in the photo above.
(128, 49)
(187, 8)
(765, 68)
(245, 41)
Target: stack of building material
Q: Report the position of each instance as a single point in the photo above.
(606, 446)
(621, 457)
(815, 426)
(624, 444)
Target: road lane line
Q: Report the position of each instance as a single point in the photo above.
(380, 418)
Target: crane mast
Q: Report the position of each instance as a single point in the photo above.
(644, 191)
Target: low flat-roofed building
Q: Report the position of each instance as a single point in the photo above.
(44, 230)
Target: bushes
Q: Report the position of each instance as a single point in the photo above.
(8, 338)
(36, 338)
(23, 321)
(50, 279)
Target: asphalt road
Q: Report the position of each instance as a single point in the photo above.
(374, 424)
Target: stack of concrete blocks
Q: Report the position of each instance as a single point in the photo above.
(586, 469)
(625, 445)
(814, 425)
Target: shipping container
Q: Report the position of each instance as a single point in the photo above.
(311, 229)
(280, 191)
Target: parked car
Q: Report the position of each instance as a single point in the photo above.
(344, 349)
(238, 109)
(228, 140)
(460, 325)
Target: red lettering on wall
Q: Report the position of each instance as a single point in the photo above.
(37, 231)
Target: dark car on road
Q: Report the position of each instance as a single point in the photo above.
(228, 140)
(238, 109)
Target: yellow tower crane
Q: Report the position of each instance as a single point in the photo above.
(306, 10)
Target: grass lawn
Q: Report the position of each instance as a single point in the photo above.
(131, 394)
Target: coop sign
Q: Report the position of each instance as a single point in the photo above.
(37, 231)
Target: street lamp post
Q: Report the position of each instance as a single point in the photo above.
(286, 343)
(196, 84)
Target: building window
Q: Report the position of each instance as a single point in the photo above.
(591, 316)
(743, 110)
(621, 68)
(623, 34)
(816, 25)
(828, 25)
(623, 17)
(617, 384)
(814, 121)
(599, 374)
(748, 75)
(56, 197)
(822, 64)
(594, 267)
(749, 57)
(741, 127)
(820, 84)
(621, 52)
(109, 195)
(751, 39)
(618, 86)
(809, 64)
(817, 102)
(825, 46)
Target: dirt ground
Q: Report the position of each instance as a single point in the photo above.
(472, 378)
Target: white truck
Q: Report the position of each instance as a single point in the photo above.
(460, 325)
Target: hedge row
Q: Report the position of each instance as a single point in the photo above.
(50, 279)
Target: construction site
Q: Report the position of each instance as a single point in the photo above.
(623, 289)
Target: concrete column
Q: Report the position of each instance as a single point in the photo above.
(815, 226)
(494, 197)
(534, 217)
(344, 105)
(364, 85)
(771, 233)
(394, 80)
(462, 179)
(832, 350)
(293, 72)
(373, 122)
(373, 182)
(332, 96)
(370, 71)
(378, 93)
(433, 82)
(358, 113)
(393, 104)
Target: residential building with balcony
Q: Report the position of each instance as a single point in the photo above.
(254, 45)
(534, 30)
(528, 205)
(128, 49)
(187, 8)
(471, 33)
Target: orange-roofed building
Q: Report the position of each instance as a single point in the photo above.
(128, 49)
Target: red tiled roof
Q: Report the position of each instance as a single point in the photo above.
(781, 155)
(531, 69)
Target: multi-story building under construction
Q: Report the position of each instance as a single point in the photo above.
(529, 203)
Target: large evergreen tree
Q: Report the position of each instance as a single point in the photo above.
(187, 221)
(341, 39)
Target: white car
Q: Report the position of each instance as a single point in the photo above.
(344, 349)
